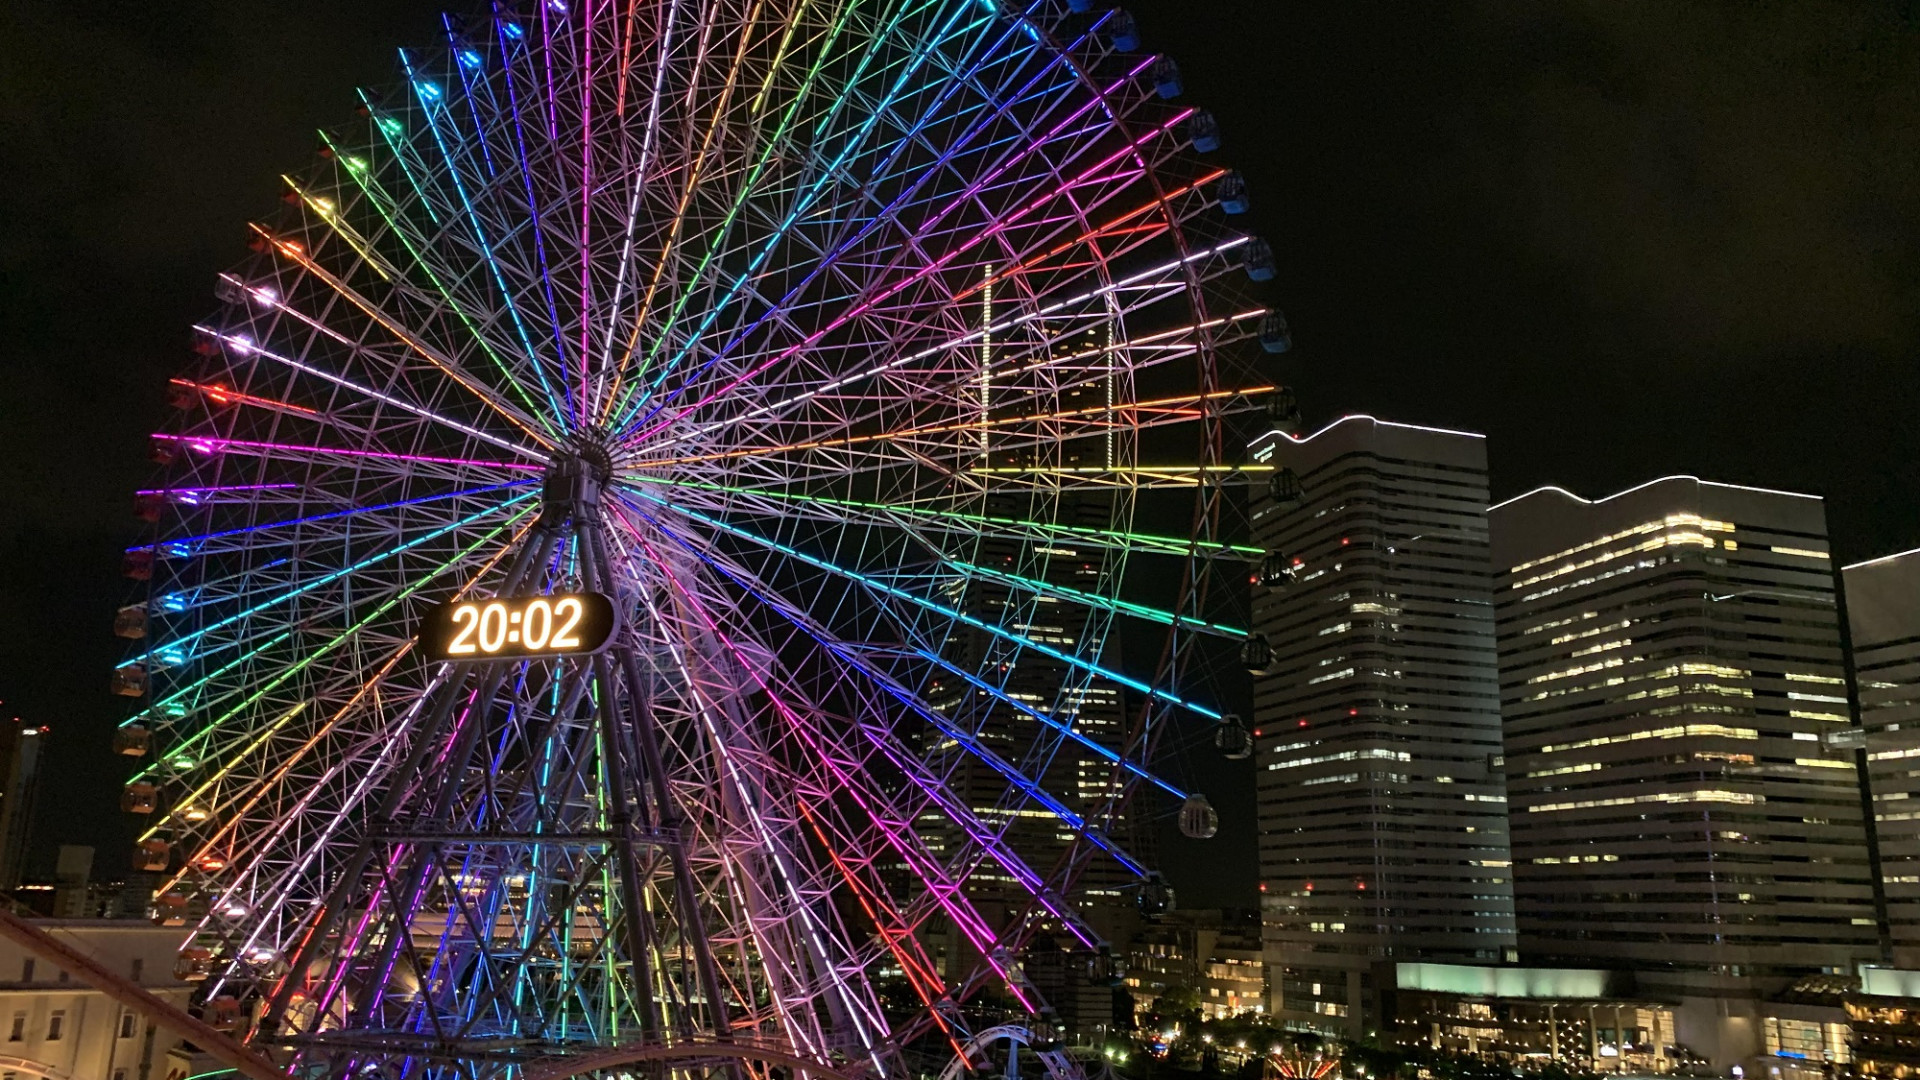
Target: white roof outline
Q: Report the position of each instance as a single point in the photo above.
(1648, 484)
(1300, 440)
(1882, 558)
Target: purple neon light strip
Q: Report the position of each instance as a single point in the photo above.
(210, 445)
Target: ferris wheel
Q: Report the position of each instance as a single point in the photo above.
(654, 455)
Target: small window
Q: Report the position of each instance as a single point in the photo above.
(18, 1031)
(26, 970)
(126, 1025)
(56, 1025)
(119, 1074)
(138, 964)
(64, 976)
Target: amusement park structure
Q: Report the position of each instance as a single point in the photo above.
(624, 486)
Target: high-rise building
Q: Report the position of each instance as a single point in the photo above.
(1683, 799)
(1022, 721)
(20, 749)
(1381, 807)
(1003, 722)
(1883, 608)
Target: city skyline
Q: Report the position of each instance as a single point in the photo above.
(1431, 294)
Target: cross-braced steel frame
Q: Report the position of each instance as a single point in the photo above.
(865, 332)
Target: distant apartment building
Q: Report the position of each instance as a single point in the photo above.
(1217, 954)
(53, 1025)
(1683, 802)
(1883, 605)
(1381, 804)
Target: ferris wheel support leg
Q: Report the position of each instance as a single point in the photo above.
(637, 930)
(533, 553)
(645, 740)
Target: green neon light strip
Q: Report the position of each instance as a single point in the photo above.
(1168, 545)
(304, 662)
(1113, 604)
(216, 673)
(363, 176)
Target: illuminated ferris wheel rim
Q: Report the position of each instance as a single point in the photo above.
(386, 364)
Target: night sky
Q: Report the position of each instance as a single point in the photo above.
(1622, 238)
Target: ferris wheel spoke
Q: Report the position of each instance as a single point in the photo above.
(324, 455)
(1097, 420)
(536, 214)
(874, 114)
(881, 588)
(361, 173)
(298, 255)
(331, 515)
(784, 504)
(689, 281)
(896, 825)
(889, 216)
(192, 745)
(894, 929)
(186, 639)
(775, 851)
(428, 95)
(1114, 605)
(246, 348)
(942, 384)
(804, 206)
(810, 629)
(1169, 273)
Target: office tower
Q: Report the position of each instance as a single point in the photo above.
(1883, 608)
(20, 750)
(1003, 719)
(1381, 805)
(1683, 801)
(1081, 780)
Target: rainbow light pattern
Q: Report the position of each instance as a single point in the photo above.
(886, 316)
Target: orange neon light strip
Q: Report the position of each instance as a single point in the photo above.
(298, 254)
(220, 395)
(1171, 405)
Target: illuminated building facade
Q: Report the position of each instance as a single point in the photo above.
(1381, 806)
(1883, 607)
(1588, 1019)
(1215, 953)
(1682, 799)
(53, 1025)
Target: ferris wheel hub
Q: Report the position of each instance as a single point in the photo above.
(575, 475)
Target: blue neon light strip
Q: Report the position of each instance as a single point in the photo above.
(942, 609)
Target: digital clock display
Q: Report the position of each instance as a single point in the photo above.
(518, 627)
